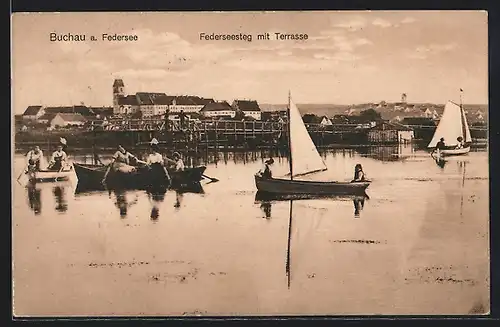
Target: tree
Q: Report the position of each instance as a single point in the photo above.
(311, 119)
(370, 115)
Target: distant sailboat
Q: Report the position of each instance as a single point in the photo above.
(304, 159)
(452, 126)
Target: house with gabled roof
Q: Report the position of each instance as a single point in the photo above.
(218, 110)
(102, 112)
(126, 105)
(248, 108)
(188, 104)
(67, 119)
(387, 132)
(33, 112)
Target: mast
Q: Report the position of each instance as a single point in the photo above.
(462, 118)
(289, 137)
(288, 252)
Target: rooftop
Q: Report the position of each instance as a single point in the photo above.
(217, 106)
(32, 110)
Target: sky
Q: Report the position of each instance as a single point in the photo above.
(348, 58)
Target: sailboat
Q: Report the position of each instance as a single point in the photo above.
(304, 159)
(453, 125)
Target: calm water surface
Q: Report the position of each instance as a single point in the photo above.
(418, 245)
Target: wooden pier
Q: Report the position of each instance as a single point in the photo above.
(196, 135)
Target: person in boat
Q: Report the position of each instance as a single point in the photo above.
(359, 175)
(157, 170)
(460, 144)
(179, 164)
(58, 159)
(439, 146)
(266, 171)
(121, 162)
(34, 158)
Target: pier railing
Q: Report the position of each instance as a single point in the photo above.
(229, 126)
(216, 125)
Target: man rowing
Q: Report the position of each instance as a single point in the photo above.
(34, 158)
(58, 159)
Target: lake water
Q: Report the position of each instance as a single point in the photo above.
(418, 245)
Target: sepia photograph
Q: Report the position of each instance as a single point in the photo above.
(284, 163)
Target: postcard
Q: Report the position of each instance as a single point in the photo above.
(250, 163)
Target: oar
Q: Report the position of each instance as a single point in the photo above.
(212, 179)
(22, 172)
(60, 170)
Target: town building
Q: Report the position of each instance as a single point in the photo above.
(387, 133)
(33, 112)
(218, 110)
(188, 104)
(152, 104)
(102, 112)
(67, 119)
(126, 105)
(118, 92)
(248, 108)
(325, 121)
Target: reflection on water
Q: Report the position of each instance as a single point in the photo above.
(440, 162)
(358, 206)
(338, 245)
(266, 201)
(156, 197)
(121, 201)
(266, 207)
(34, 199)
(60, 199)
(388, 153)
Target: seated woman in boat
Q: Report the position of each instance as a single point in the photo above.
(121, 162)
(359, 175)
(460, 142)
(266, 172)
(58, 160)
(176, 163)
(158, 174)
(34, 158)
(179, 164)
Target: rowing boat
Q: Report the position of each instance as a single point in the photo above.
(92, 176)
(47, 176)
(304, 159)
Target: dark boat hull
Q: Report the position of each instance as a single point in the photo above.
(303, 188)
(92, 176)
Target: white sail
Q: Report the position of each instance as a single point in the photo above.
(449, 127)
(305, 156)
(467, 137)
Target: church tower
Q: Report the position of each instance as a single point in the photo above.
(118, 91)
